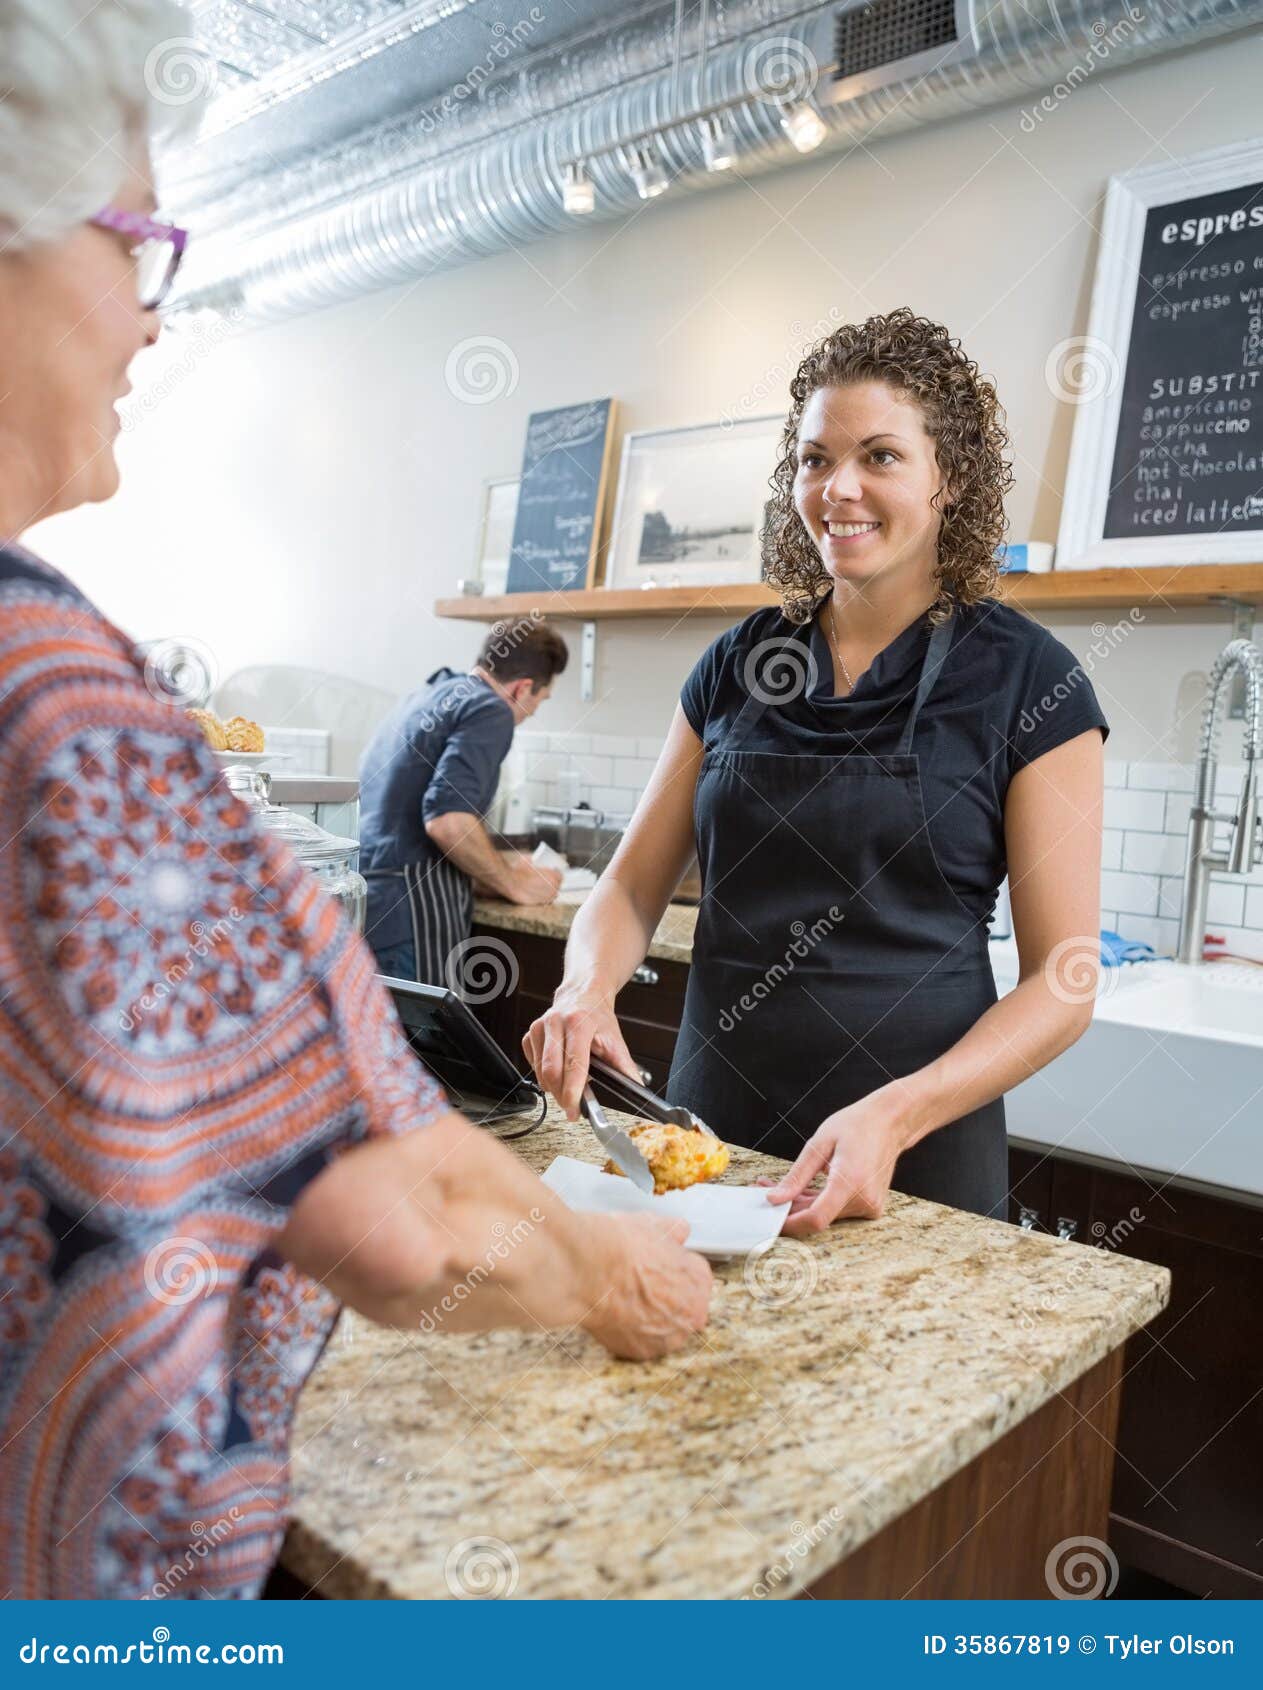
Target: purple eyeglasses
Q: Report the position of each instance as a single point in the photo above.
(158, 251)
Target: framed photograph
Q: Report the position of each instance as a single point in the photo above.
(498, 514)
(1166, 463)
(690, 504)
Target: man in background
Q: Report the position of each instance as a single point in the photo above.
(427, 780)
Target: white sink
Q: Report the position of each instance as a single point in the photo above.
(1169, 1076)
(1216, 1001)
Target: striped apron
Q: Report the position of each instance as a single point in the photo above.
(441, 905)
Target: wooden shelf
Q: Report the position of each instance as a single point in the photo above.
(600, 605)
(1092, 589)
(1070, 589)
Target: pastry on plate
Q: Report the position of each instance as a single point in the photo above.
(676, 1156)
(212, 728)
(243, 734)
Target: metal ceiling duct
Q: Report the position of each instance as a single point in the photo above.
(481, 169)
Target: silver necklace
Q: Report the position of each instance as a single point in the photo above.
(833, 641)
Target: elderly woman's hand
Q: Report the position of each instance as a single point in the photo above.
(856, 1150)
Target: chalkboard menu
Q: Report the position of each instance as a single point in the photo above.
(565, 483)
(1188, 453)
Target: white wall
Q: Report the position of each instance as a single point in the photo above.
(302, 493)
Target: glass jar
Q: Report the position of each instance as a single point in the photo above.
(334, 861)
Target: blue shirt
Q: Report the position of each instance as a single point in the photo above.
(438, 751)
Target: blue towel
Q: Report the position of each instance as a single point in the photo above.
(1115, 950)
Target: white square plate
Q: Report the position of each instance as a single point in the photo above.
(724, 1220)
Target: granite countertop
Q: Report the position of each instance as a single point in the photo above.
(673, 942)
(838, 1383)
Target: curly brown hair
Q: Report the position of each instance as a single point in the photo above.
(963, 416)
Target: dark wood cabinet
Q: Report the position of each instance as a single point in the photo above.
(1030, 1189)
(1187, 1501)
(650, 1006)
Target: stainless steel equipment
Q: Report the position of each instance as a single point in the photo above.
(331, 801)
(588, 838)
(333, 860)
(585, 837)
(1245, 847)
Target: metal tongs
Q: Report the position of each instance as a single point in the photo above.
(617, 1145)
(644, 1101)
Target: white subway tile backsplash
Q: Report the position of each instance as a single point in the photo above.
(633, 772)
(1115, 774)
(614, 745)
(533, 792)
(614, 800)
(1130, 894)
(1142, 810)
(542, 766)
(1178, 806)
(1228, 788)
(568, 743)
(1170, 896)
(593, 770)
(1159, 777)
(1153, 853)
(1150, 930)
(650, 747)
(1225, 907)
(1241, 941)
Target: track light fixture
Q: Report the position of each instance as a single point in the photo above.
(804, 126)
(578, 195)
(648, 174)
(718, 147)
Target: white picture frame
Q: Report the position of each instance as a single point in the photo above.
(1081, 539)
(495, 539)
(707, 484)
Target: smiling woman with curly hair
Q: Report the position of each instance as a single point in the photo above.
(919, 361)
(858, 770)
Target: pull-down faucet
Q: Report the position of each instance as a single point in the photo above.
(1246, 843)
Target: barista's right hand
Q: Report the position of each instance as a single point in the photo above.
(650, 1295)
(558, 1045)
(531, 885)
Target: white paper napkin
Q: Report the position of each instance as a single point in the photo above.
(576, 883)
(724, 1220)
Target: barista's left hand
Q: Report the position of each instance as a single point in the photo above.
(856, 1150)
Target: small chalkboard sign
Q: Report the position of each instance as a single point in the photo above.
(1167, 459)
(565, 484)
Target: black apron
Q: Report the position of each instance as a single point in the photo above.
(831, 955)
(440, 902)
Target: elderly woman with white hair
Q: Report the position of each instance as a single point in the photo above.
(187, 1191)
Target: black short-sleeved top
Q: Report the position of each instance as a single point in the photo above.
(1007, 693)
